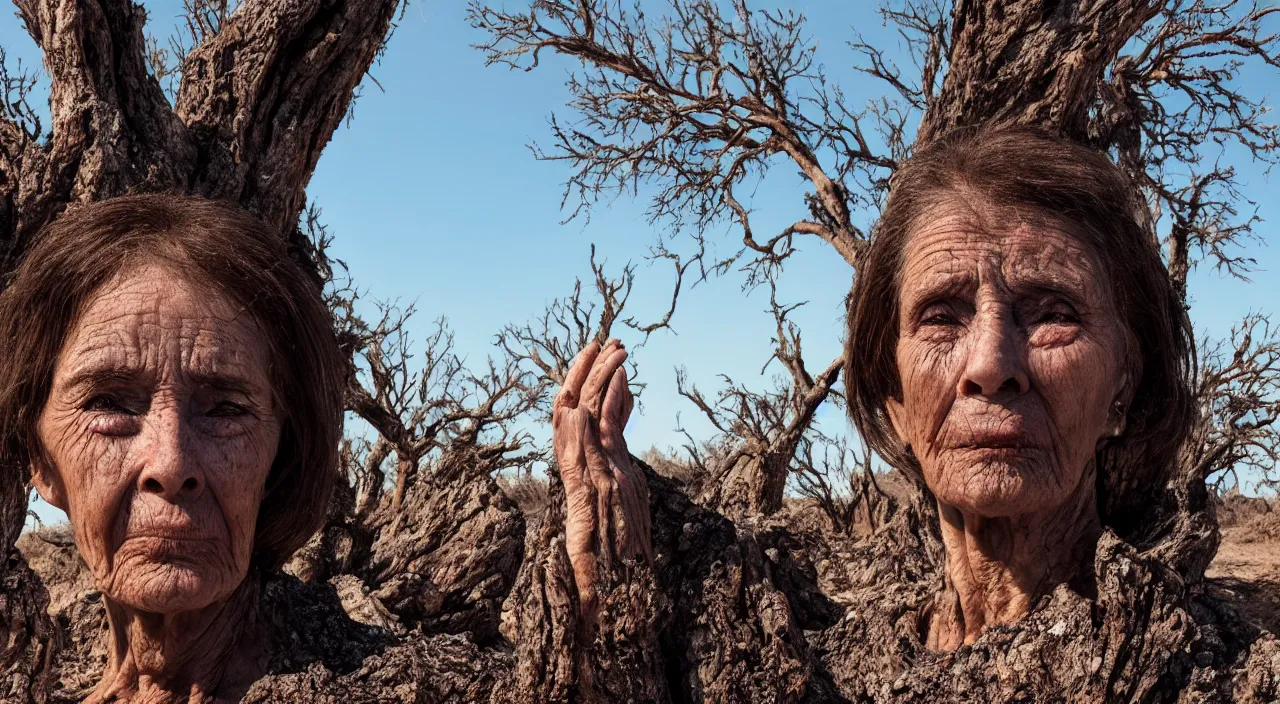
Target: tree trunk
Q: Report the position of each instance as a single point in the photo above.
(759, 612)
(754, 486)
(1031, 62)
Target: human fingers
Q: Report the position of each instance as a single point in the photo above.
(571, 461)
(581, 367)
(634, 504)
(610, 358)
(626, 411)
(596, 463)
(613, 414)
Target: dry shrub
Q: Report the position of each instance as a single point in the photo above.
(1250, 519)
(685, 471)
(530, 493)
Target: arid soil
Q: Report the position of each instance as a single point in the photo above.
(1248, 560)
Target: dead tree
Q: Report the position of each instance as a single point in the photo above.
(1239, 380)
(548, 345)
(695, 105)
(842, 483)
(435, 541)
(761, 431)
(700, 102)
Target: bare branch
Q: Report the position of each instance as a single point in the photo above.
(840, 482)
(694, 104)
(1239, 392)
(759, 433)
(1173, 105)
(423, 404)
(550, 343)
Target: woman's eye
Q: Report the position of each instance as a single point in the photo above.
(227, 409)
(106, 403)
(1059, 316)
(938, 316)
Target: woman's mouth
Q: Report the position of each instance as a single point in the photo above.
(1004, 436)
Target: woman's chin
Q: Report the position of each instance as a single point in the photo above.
(998, 488)
(169, 587)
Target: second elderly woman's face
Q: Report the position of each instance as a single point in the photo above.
(158, 436)
(1010, 354)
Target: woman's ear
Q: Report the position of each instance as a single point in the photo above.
(1118, 412)
(48, 484)
(898, 419)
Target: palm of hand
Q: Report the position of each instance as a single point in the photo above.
(607, 496)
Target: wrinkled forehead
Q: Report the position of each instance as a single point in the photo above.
(1003, 245)
(158, 321)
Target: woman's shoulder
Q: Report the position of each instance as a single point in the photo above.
(439, 668)
(333, 642)
(1144, 636)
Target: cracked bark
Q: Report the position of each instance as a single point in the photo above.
(1031, 62)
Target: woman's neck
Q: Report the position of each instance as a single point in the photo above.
(195, 656)
(997, 568)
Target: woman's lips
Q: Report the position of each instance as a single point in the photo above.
(1008, 436)
(177, 531)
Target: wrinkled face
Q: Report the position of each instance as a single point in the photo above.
(1011, 356)
(158, 436)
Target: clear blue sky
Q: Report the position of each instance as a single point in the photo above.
(433, 196)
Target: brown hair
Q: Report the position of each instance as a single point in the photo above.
(226, 248)
(1083, 190)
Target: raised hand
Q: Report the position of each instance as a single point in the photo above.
(608, 498)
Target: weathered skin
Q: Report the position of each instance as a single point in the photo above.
(1013, 367)
(158, 435)
(608, 499)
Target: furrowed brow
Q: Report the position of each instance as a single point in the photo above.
(1073, 287)
(93, 377)
(938, 286)
(223, 381)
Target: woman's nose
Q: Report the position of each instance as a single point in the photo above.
(169, 470)
(995, 365)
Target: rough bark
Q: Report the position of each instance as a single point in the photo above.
(257, 103)
(1031, 62)
(443, 562)
(753, 486)
(753, 611)
(26, 667)
(446, 562)
(721, 616)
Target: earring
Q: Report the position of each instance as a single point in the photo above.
(1121, 419)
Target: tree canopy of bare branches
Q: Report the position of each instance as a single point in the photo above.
(696, 102)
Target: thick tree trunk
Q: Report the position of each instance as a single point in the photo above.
(753, 486)
(720, 617)
(753, 611)
(1031, 62)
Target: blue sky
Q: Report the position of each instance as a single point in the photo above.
(434, 197)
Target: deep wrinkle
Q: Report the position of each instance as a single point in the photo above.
(1012, 361)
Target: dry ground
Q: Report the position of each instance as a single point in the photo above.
(1248, 560)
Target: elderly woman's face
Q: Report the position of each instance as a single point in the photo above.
(1010, 354)
(158, 437)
